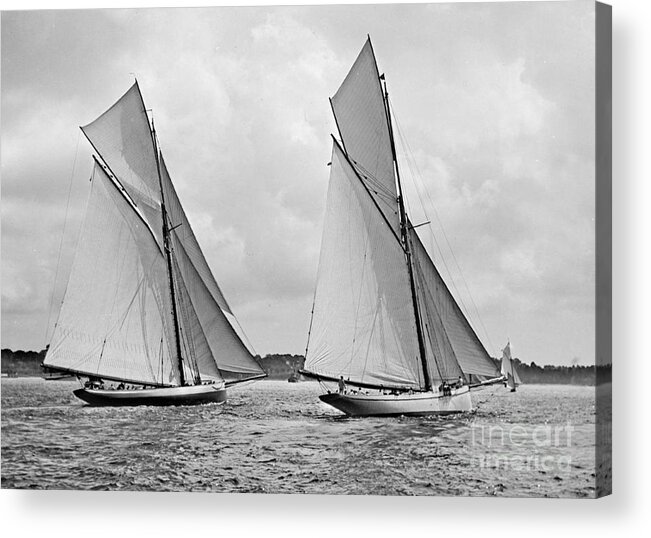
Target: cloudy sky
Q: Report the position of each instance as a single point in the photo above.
(495, 102)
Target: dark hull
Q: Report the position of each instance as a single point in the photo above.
(193, 395)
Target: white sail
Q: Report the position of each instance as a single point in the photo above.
(441, 359)
(458, 336)
(363, 325)
(115, 318)
(184, 234)
(233, 358)
(361, 117)
(123, 138)
(195, 349)
(508, 368)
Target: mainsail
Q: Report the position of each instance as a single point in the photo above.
(382, 314)
(150, 284)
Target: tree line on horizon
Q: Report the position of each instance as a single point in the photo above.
(281, 366)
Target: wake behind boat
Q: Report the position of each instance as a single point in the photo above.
(142, 308)
(384, 326)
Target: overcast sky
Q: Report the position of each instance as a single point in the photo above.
(495, 102)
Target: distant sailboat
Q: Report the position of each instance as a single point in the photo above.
(383, 318)
(142, 307)
(508, 369)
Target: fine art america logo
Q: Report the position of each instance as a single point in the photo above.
(519, 447)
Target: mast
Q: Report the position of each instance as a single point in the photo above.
(167, 245)
(404, 231)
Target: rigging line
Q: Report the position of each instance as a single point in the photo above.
(412, 176)
(373, 185)
(248, 341)
(373, 180)
(309, 330)
(410, 161)
(81, 360)
(161, 358)
(375, 202)
(63, 232)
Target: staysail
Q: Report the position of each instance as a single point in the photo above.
(208, 345)
(363, 325)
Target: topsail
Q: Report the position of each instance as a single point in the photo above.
(362, 120)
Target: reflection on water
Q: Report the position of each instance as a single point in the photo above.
(277, 437)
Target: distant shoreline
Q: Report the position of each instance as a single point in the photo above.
(268, 379)
(280, 367)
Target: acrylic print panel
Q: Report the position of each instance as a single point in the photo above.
(471, 164)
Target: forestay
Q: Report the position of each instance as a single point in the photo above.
(361, 117)
(363, 325)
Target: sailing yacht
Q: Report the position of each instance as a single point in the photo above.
(384, 325)
(142, 308)
(512, 379)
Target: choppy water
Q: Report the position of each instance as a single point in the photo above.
(277, 437)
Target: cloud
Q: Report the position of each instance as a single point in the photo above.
(495, 103)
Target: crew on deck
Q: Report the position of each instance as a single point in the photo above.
(342, 385)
